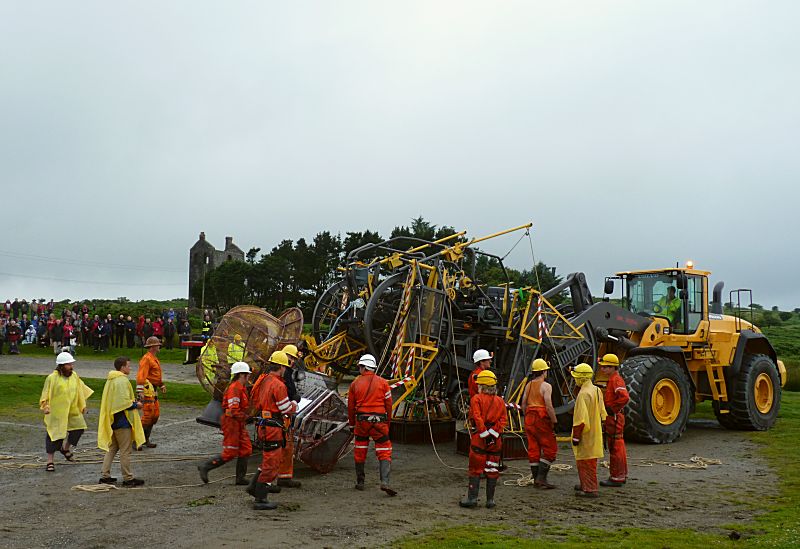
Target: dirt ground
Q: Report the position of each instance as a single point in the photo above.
(40, 509)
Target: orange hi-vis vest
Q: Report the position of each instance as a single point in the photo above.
(368, 394)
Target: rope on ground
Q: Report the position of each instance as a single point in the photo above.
(527, 479)
(695, 462)
(100, 488)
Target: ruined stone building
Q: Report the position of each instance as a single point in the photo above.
(204, 253)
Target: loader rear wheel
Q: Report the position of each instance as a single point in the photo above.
(755, 398)
(660, 398)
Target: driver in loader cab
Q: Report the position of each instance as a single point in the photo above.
(668, 306)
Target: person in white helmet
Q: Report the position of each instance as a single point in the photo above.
(483, 361)
(236, 442)
(63, 402)
(369, 411)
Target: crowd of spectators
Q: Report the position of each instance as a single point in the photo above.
(79, 325)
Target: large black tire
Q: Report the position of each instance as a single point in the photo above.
(459, 403)
(744, 409)
(642, 375)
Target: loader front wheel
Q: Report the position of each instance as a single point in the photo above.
(755, 396)
(660, 398)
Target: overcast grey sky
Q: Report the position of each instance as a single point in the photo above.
(634, 134)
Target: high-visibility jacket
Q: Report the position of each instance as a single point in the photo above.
(235, 402)
(473, 381)
(488, 415)
(209, 359)
(206, 331)
(236, 352)
(273, 402)
(149, 370)
(368, 394)
(669, 308)
(615, 398)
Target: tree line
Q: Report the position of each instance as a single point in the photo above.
(297, 273)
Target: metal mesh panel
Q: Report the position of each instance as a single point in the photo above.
(260, 333)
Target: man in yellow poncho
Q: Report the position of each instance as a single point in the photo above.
(587, 430)
(63, 402)
(236, 350)
(119, 424)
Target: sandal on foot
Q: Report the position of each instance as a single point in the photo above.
(50, 467)
(68, 455)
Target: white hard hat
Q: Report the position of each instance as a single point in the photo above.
(64, 358)
(368, 362)
(481, 354)
(240, 368)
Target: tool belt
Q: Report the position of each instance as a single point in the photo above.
(270, 419)
(372, 418)
(483, 452)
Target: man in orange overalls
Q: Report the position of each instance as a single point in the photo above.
(272, 401)
(148, 382)
(615, 398)
(540, 422)
(487, 414)
(236, 441)
(286, 472)
(369, 411)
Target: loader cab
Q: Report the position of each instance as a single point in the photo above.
(678, 295)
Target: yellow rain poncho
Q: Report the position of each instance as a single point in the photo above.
(589, 411)
(208, 357)
(117, 396)
(66, 397)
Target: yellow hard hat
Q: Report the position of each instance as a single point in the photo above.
(237, 337)
(582, 370)
(486, 377)
(609, 360)
(290, 350)
(279, 357)
(539, 365)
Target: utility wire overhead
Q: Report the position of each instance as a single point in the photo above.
(91, 281)
(85, 262)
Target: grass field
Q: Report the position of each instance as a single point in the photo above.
(777, 526)
(23, 390)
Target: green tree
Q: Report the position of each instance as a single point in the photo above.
(251, 255)
(355, 240)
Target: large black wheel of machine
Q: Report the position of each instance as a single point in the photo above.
(459, 403)
(660, 398)
(755, 398)
(327, 309)
(380, 313)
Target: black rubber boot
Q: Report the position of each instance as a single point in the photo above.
(472, 493)
(541, 478)
(360, 476)
(289, 483)
(147, 443)
(612, 483)
(261, 503)
(241, 472)
(491, 484)
(386, 469)
(251, 486)
(212, 463)
(534, 473)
